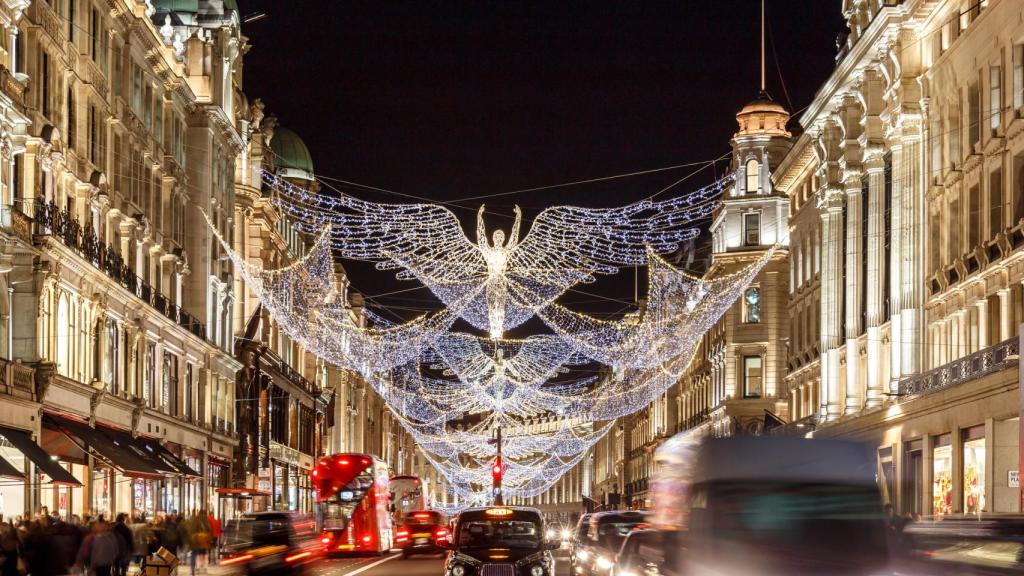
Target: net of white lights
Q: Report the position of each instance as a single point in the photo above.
(497, 284)
(431, 376)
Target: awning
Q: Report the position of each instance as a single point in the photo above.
(116, 447)
(23, 442)
(155, 449)
(7, 470)
(241, 493)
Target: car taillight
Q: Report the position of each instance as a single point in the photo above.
(441, 534)
(326, 539)
(367, 538)
(237, 559)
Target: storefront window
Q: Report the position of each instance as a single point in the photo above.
(974, 470)
(942, 488)
(280, 484)
(102, 478)
(12, 494)
(144, 497)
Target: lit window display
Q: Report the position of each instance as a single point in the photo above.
(974, 476)
(942, 489)
(101, 482)
(144, 497)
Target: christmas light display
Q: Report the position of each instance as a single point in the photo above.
(566, 245)
(451, 389)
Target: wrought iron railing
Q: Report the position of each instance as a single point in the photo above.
(697, 419)
(983, 362)
(62, 225)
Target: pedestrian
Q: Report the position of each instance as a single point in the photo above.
(67, 539)
(198, 530)
(142, 537)
(11, 562)
(100, 549)
(127, 545)
(215, 533)
(171, 537)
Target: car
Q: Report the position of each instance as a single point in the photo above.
(607, 530)
(642, 554)
(577, 544)
(269, 543)
(421, 532)
(500, 541)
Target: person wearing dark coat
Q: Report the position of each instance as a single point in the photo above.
(67, 539)
(124, 533)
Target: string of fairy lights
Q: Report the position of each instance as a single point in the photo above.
(451, 388)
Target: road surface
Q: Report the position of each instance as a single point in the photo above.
(394, 565)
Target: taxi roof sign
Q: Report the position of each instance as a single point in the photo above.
(499, 511)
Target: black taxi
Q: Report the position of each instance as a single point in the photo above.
(500, 541)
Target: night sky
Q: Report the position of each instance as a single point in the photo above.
(452, 100)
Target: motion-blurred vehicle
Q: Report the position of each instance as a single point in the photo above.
(577, 543)
(968, 544)
(269, 543)
(407, 496)
(769, 505)
(353, 503)
(642, 554)
(500, 541)
(596, 553)
(422, 532)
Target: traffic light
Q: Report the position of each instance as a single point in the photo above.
(496, 471)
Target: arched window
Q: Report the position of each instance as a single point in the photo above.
(753, 176)
(63, 337)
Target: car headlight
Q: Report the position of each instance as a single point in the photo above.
(566, 533)
(603, 563)
(537, 570)
(458, 570)
(582, 555)
(549, 534)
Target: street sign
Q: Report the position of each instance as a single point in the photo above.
(1013, 479)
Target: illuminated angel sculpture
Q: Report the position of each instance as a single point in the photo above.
(566, 245)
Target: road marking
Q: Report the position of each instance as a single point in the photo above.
(368, 566)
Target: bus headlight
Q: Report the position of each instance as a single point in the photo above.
(458, 570)
(537, 570)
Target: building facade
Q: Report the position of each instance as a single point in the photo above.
(115, 332)
(890, 312)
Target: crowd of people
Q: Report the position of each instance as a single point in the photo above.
(47, 545)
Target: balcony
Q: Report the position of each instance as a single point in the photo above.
(17, 379)
(61, 225)
(1001, 356)
(275, 362)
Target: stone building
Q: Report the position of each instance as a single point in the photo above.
(116, 335)
(896, 302)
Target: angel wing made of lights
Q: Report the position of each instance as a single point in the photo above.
(565, 245)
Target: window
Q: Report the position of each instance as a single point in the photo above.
(1018, 76)
(955, 154)
(995, 203)
(170, 384)
(189, 393)
(753, 176)
(974, 217)
(953, 228)
(973, 117)
(72, 4)
(149, 385)
(94, 136)
(136, 88)
(94, 34)
(71, 119)
(942, 476)
(118, 73)
(752, 305)
(751, 376)
(974, 470)
(158, 127)
(44, 84)
(148, 102)
(995, 96)
(110, 359)
(886, 235)
(1018, 189)
(63, 337)
(752, 229)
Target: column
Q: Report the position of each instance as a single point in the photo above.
(982, 312)
(1005, 315)
(854, 286)
(913, 252)
(831, 204)
(873, 283)
(895, 268)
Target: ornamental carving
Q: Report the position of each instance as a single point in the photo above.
(44, 374)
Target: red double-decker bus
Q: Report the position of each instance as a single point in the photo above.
(353, 503)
